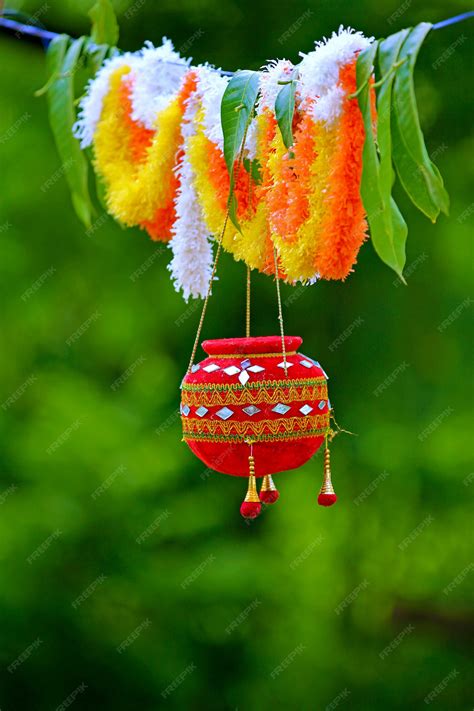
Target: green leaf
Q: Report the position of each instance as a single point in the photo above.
(388, 230)
(96, 55)
(387, 56)
(236, 112)
(254, 168)
(56, 52)
(237, 109)
(105, 29)
(410, 176)
(409, 129)
(285, 109)
(62, 116)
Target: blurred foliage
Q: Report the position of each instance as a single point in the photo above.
(296, 564)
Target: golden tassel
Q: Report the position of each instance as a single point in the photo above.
(327, 496)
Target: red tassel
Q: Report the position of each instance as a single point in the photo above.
(268, 491)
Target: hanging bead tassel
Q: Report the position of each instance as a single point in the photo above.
(268, 491)
(251, 506)
(327, 497)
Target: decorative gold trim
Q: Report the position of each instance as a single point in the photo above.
(252, 385)
(254, 429)
(214, 398)
(283, 437)
(244, 356)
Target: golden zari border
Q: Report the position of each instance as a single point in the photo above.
(281, 437)
(214, 398)
(252, 385)
(249, 428)
(247, 356)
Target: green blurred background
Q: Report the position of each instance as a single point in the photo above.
(321, 592)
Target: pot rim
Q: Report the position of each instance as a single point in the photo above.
(256, 344)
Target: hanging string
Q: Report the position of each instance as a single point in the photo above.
(339, 430)
(280, 312)
(209, 291)
(218, 251)
(247, 310)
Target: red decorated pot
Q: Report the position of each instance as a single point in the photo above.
(241, 394)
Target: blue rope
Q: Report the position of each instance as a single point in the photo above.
(46, 37)
(453, 20)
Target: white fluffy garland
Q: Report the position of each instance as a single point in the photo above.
(319, 72)
(158, 72)
(90, 106)
(191, 265)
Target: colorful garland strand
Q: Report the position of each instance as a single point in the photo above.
(158, 146)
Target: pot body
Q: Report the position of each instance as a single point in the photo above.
(240, 394)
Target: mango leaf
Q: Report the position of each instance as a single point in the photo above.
(409, 129)
(387, 56)
(388, 230)
(62, 116)
(410, 175)
(285, 110)
(56, 53)
(96, 55)
(236, 112)
(105, 29)
(237, 109)
(254, 168)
